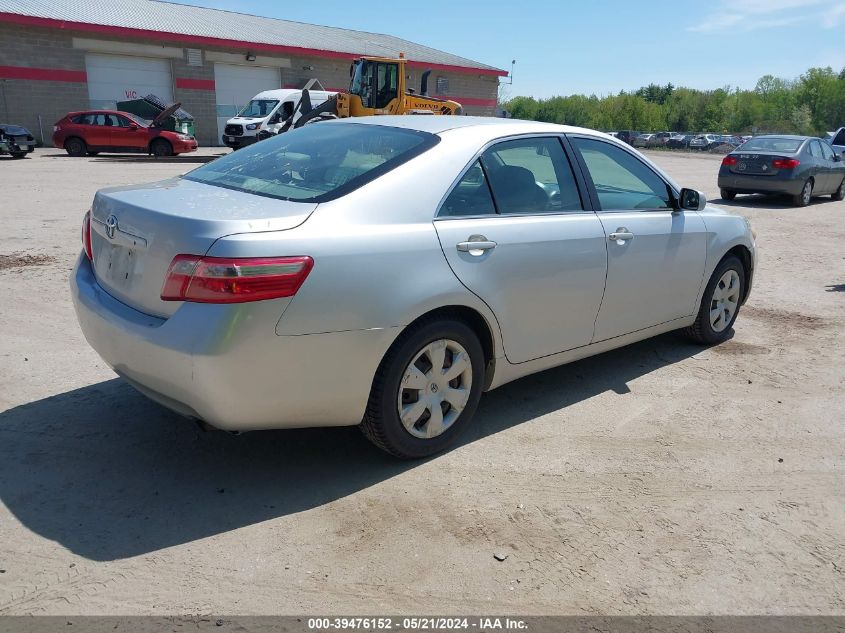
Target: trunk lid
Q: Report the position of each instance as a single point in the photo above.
(137, 230)
(756, 163)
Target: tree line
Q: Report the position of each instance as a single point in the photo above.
(812, 104)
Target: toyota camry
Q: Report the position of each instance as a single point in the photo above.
(386, 271)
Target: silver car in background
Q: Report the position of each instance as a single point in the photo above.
(385, 271)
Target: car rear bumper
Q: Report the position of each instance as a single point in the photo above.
(759, 184)
(226, 365)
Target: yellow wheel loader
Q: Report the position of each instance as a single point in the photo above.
(377, 86)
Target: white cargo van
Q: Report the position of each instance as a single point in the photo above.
(267, 111)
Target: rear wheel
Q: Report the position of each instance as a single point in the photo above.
(75, 146)
(90, 153)
(161, 148)
(839, 194)
(720, 303)
(803, 198)
(18, 154)
(426, 390)
(727, 194)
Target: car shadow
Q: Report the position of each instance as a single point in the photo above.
(109, 474)
(836, 288)
(764, 200)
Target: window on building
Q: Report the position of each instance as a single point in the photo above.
(442, 85)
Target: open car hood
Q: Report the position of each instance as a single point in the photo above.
(13, 130)
(168, 111)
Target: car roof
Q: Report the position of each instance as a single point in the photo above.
(437, 124)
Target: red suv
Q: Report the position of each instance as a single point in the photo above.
(95, 131)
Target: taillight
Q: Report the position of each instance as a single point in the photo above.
(86, 236)
(729, 161)
(785, 163)
(233, 280)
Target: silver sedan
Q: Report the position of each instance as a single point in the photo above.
(385, 271)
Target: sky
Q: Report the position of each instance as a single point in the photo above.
(599, 46)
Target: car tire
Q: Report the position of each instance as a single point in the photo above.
(412, 360)
(75, 146)
(161, 148)
(725, 289)
(18, 154)
(727, 194)
(90, 153)
(803, 198)
(839, 194)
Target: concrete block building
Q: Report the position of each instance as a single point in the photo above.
(58, 56)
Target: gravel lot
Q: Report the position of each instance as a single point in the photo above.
(661, 478)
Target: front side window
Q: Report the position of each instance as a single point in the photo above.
(315, 163)
(827, 151)
(621, 180)
(471, 196)
(531, 175)
(258, 108)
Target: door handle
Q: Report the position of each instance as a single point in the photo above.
(476, 245)
(621, 235)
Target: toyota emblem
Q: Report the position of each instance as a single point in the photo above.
(111, 226)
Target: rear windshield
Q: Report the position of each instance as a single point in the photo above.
(316, 162)
(771, 144)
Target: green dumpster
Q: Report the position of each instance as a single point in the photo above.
(150, 106)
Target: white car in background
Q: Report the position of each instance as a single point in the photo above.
(267, 112)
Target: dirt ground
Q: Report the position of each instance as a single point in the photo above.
(662, 478)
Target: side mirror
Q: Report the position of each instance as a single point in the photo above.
(838, 157)
(692, 200)
(133, 126)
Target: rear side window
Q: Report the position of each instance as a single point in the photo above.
(531, 175)
(83, 119)
(815, 149)
(621, 180)
(471, 196)
(316, 162)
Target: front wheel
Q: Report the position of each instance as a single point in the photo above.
(75, 147)
(839, 194)
(426, 390)
(803, 198)
(727, 194)
(161, 148)
(720, 303)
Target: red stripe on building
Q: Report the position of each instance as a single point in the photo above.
(122, 31)
(194, 84)
(43, 74)
(471, 101)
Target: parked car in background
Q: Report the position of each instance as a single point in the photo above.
(679, 141)
(660, 139)
(15, 140)
(295, 273)
(704, 142)
(627, 136)
(837, 140)
(93, 131)
(643, 140)
(798, 166)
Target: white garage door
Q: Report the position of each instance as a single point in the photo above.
(236, 85)
(113, 78)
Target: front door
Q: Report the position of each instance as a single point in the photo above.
(655, 254)
(123, 135)
(515, 232)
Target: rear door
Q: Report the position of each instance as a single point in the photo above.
(516, 233)
(655, 254)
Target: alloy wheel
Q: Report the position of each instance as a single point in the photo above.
(807, 193)
(725, 301)
(435, 388)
